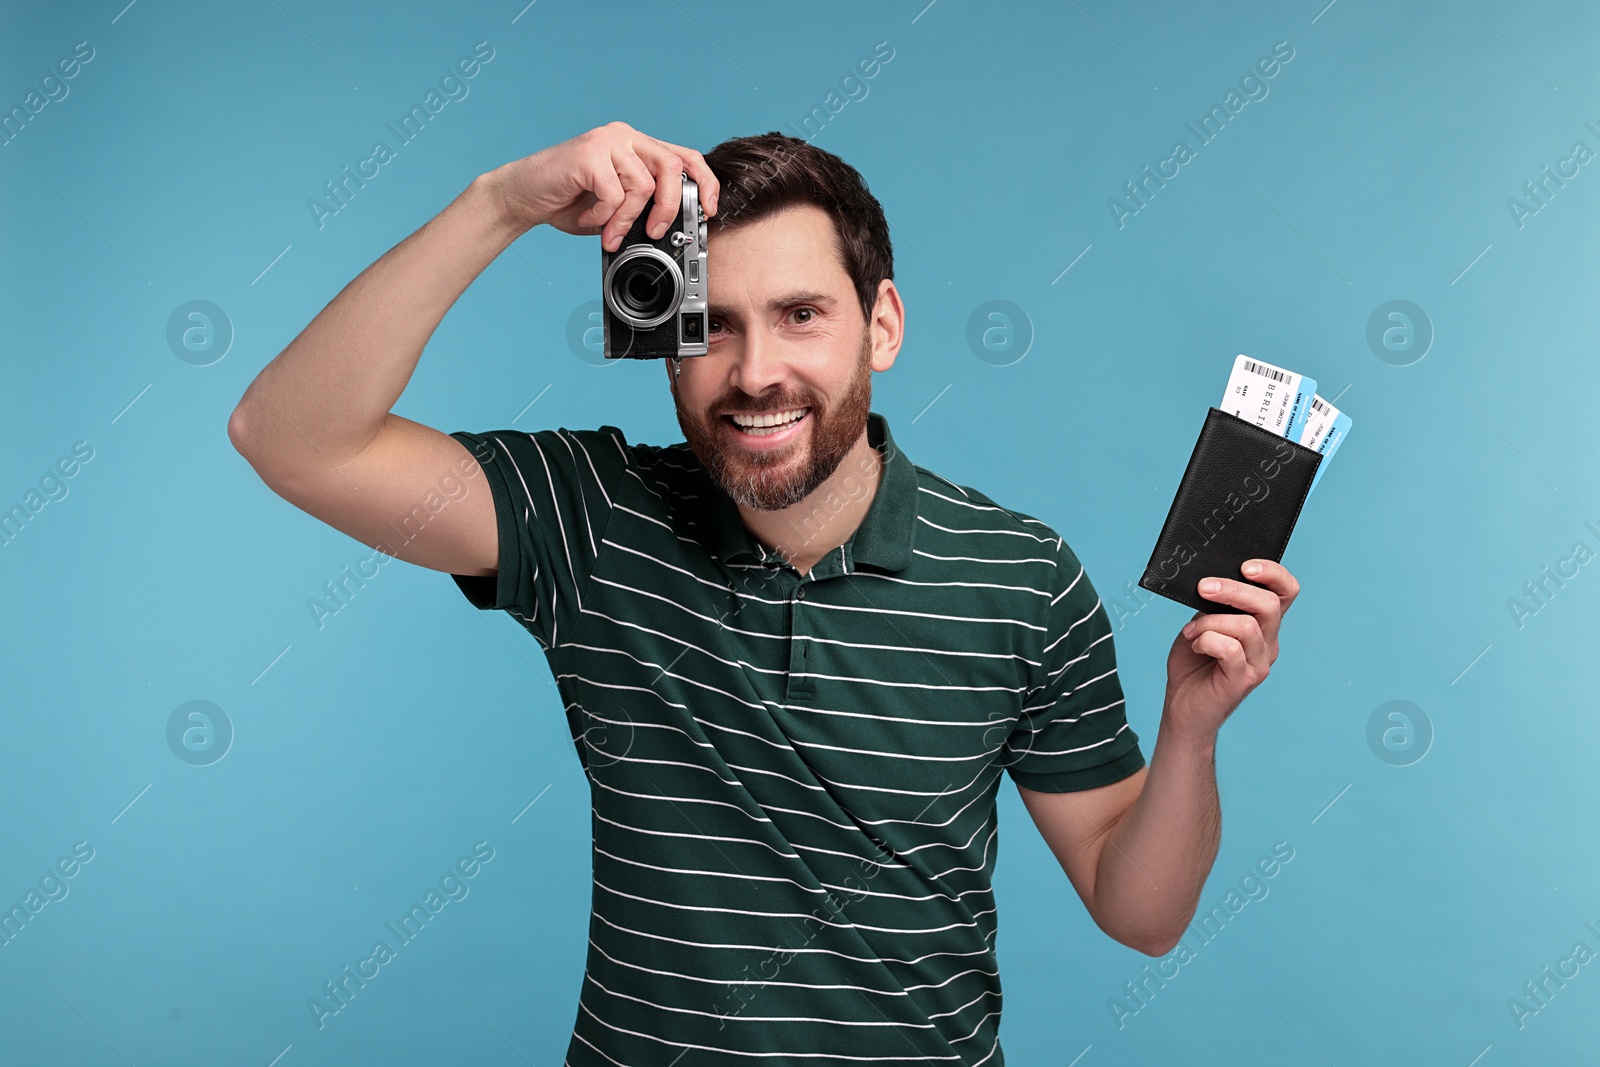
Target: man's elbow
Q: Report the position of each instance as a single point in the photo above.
(1154, 948)
(237, 429)
(1150, 943)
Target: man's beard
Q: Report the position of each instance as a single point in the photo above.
(771, 481)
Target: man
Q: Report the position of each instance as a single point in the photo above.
(795, 664)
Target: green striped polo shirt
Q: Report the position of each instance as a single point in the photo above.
(793, 777)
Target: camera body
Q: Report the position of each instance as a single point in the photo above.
(653, 291)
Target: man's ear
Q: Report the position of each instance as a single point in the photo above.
(887, 326)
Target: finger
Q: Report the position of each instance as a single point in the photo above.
(1262, 603)
(1274, 576)
(1243, 629)
(1251, 598)
(1228, 653)
(637, 183)
(601, 179)
(669, 194)
(695, 164)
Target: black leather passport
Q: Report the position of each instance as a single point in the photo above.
(1239, 498)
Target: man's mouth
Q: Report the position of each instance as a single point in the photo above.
(765, 425)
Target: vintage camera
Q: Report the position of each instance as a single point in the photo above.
(654, 291)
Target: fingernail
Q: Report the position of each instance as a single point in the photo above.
(1210, 585)
(1252, 567)
(1188, 629)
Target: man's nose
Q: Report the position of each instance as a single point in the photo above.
(760, 365)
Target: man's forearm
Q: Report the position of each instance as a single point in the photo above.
(1156, 858)
(325, 397)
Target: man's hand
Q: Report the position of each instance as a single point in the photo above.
(1217, 659)
(599, 181)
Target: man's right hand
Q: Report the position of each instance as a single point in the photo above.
(599, 182)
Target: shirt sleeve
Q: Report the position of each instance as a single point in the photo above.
(553, 492)
(1073, 732)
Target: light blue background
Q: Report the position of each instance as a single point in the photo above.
(377, 749)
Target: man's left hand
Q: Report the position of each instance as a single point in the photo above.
(1217, 659)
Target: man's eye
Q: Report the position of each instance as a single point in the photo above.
(808, 312)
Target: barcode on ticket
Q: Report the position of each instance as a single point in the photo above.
(1265, 371)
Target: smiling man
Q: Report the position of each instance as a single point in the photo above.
(796, 665)
(777, 412)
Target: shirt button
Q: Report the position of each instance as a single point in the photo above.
(799, 594)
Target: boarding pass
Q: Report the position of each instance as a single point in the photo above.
(1286, 403)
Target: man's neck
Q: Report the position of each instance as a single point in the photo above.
(805, 532)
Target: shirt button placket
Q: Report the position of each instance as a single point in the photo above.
(799, 649)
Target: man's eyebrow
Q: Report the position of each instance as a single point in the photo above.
(778, 303)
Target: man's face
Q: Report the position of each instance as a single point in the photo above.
(786, 338)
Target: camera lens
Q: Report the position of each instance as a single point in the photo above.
(643, 287)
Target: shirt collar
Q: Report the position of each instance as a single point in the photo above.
(884, 537)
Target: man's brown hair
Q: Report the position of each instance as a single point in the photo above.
(763, 174)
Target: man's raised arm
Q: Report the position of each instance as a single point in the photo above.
(316, 423)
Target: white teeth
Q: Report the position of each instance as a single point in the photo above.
(776, 419)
